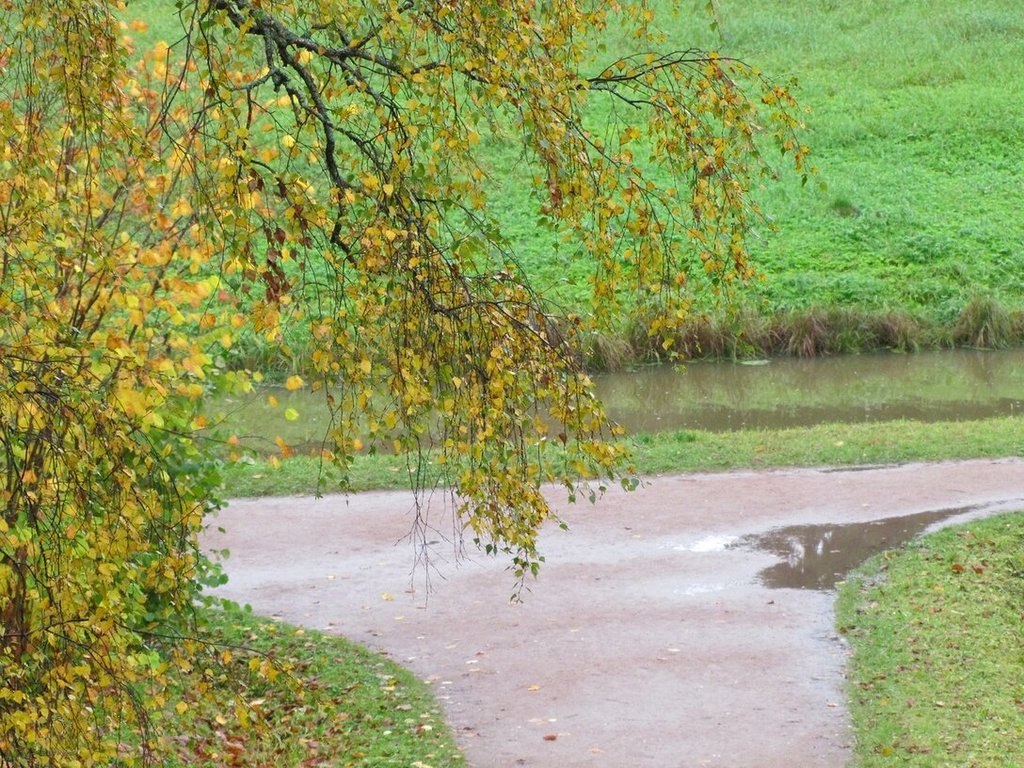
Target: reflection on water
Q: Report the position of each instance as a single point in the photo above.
(928, 386)
(717, 397)
(817, 556)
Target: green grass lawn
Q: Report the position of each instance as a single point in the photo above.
(685, 451)
(937, 672)
(917, 127)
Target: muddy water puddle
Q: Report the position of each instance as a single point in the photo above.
(817, 556)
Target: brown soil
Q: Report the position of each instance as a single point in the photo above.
(645, 642)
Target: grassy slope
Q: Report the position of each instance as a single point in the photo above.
(916, 128)
(917, 125)
(916, 134)
(330, 702)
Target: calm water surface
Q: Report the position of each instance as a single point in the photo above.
(929, 386)
(716, 397)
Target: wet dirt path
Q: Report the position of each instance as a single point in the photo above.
(646, 642)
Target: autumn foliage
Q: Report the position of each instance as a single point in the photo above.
(313, 163)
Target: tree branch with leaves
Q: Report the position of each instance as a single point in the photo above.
(318, 163)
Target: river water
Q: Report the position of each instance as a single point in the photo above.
(928, 386)
(716, 397)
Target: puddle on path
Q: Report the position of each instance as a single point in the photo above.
(817, 556)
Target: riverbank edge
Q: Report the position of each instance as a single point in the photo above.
(676, 452)
(746, 333)
(740, 332)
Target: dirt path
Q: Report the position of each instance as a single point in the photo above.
(644, 643)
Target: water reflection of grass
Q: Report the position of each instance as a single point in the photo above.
(837, 382)
(717, 396)
(301, 418)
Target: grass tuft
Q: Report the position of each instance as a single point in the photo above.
(984, 323)
(609, 352)
(896, 330)
(810, 334)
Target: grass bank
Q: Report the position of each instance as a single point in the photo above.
(915, 242)
(936, 629)
(329, 702)
(915, 134)
(689, 451)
